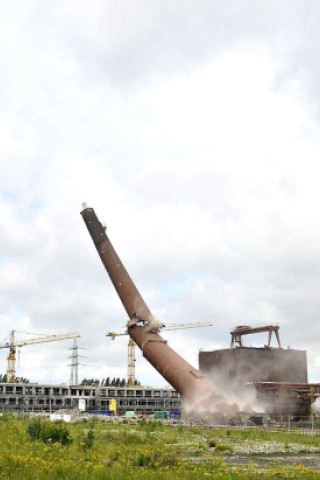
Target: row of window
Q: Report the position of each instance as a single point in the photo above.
(31, 390)
(140, 393)
(67, 402)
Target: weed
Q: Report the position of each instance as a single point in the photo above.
(221, 447)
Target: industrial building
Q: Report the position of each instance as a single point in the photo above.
(279, 376)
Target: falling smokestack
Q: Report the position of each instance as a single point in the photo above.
(143, 328)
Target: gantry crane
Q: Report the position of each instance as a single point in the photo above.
(131, 376)
(240, 330)
(13, 344)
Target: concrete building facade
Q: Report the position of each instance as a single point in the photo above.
(50, 398)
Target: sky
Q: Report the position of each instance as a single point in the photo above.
(193, 130)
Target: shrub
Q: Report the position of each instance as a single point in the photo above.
(49, 432)
(88, 442)
(34, 429)
(52, 433)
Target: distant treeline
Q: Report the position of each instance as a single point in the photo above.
(112, 382)
(3, 379)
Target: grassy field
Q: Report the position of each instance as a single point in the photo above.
(37, 450)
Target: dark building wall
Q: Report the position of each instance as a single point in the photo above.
(242, 365)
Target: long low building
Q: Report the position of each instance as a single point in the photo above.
(34, 397)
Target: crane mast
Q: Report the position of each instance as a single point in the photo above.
(13, 344)
(131, 379)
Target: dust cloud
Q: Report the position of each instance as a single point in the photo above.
(231, 400)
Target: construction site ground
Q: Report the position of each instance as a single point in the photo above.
(238, 446)
(105, 447)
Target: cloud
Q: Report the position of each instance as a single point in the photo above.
(192, 128)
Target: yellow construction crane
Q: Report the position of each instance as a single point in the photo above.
(131, 376)
(13, 344)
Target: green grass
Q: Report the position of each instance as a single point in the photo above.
(148, 450)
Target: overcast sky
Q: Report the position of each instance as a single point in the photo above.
(193, 130)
